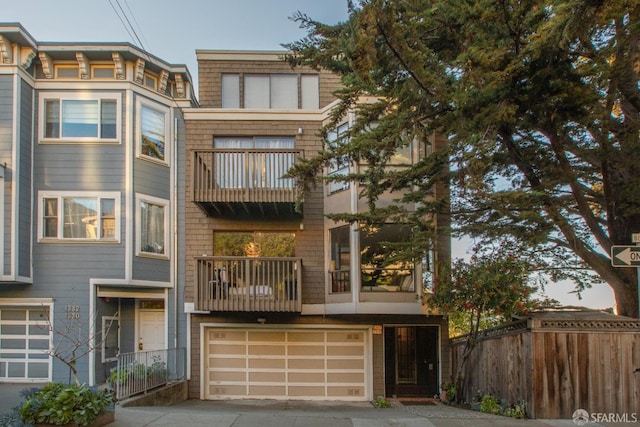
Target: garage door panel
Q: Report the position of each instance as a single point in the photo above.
(309, 350)
(267, 390)
(302, 364)
(345, 350)
(267, 377)
(226, 362)
(230, 349)
(345, 391)
(227, 376)
(307, 391)
(269, 336)
(306, 377)
(306, 364)
(306, 337)
(344, 377)
(266, 350)
(349, 364)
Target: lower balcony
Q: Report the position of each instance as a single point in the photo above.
(256, 284)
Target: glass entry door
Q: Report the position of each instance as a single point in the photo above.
(406, 355)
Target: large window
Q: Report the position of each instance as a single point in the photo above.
(151, 226)
(84, 119)
(254, 243)
(79, 216)
(382, 267)
(258, 162)
(271, 91)
(152, 125)
(340, 268)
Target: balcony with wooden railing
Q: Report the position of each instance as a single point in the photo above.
(256, 284)
(245, 182)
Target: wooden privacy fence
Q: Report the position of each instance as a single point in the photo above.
(558, 362)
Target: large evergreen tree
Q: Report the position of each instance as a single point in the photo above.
(539, 100)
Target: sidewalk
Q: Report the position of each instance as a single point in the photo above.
(268, 413)
(271, 413)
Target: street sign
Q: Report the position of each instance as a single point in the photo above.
(625, 256)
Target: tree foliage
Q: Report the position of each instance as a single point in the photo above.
(489, 289)
(539, 100)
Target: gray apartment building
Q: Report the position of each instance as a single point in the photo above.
(283, 302)
(91, 139)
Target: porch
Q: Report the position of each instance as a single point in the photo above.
(257, 284)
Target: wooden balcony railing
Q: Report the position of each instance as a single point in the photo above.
(243, 175)
(248, 284)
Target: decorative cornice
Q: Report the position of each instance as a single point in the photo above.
(6, 52)
(180, 86)
(119, 64)
(164, 77)
(83, 63)
(47, 65)
(27, 55)
(139, 74)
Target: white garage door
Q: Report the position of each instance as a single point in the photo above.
(285, 364)
(24, 338)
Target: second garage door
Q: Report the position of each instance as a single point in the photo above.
(287, 364)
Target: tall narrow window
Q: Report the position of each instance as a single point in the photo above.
(256, 91)
(230, 91)
(152, 227)
(310, 88)
(340, 268)
(340, 166)
(152, 133)
(284, 91)
(50, 217)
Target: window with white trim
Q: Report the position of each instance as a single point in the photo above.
(80, 118)
(152, 132)
(79, 216)
(152, 226)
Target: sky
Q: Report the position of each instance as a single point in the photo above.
(174, 30)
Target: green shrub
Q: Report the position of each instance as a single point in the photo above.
(490, 404)
(61, 404)
(381, 402)
(450, 391)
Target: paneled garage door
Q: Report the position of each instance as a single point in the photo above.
(24, 340)
(285, 364)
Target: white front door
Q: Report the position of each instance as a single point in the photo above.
(151, 330)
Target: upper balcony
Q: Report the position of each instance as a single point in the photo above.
(244, 182)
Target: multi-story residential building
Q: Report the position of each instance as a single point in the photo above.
(284, 303)
(91, 139)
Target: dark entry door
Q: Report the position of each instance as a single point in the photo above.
(411, 361)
